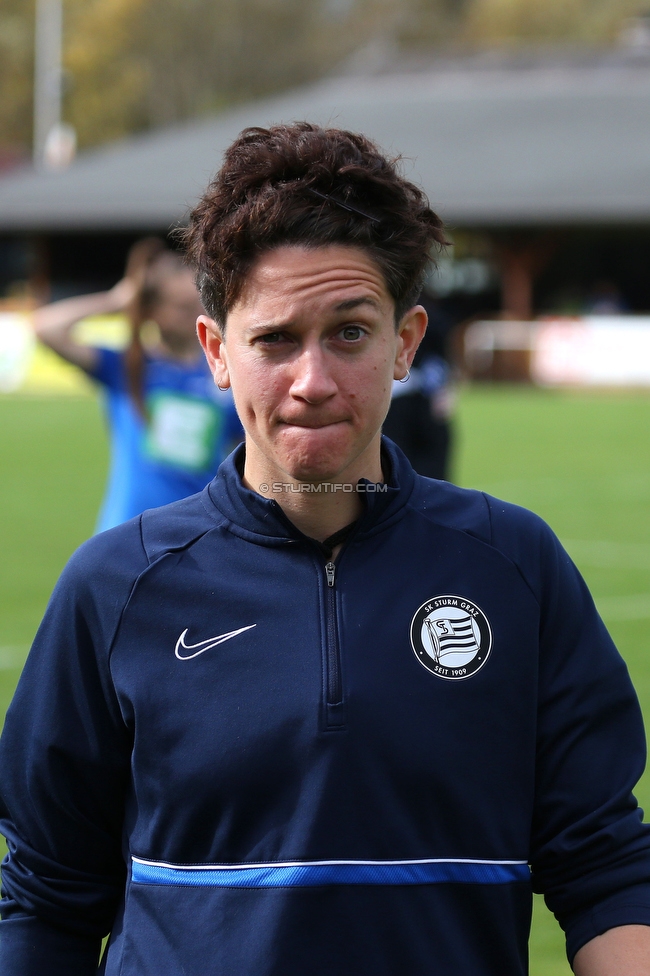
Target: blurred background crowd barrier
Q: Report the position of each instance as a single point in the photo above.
(581, 351)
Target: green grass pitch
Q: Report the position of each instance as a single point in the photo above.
(581, 460)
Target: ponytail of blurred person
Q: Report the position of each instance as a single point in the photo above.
(141, 260)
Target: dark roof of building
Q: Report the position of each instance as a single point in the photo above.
(494, 145)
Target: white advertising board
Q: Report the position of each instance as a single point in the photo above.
(16, 349)
(592, 351)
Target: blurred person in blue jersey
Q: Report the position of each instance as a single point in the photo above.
(327, 717)
(170, 426)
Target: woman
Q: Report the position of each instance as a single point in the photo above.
(170, 426)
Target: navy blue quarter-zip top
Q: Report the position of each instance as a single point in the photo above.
(334, 705)
(334, 683)
(238, 754)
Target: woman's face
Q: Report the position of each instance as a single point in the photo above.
(311, 351)
(176, 309)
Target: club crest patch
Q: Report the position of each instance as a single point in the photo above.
(451, 637)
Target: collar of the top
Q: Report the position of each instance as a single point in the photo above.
(256, 515)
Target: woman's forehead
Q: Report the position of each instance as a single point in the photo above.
(302, 275)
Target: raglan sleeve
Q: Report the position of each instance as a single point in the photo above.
(109, 369)
(590, 851)
(64, 760)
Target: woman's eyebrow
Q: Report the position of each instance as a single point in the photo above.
(255, 331)
(352, 303)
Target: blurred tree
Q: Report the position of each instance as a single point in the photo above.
(107, 71)
(430, 23)
(135, 64)
(142, 63)
(16, 68)
(532, 21)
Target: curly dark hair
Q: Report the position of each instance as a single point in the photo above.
(304, 185)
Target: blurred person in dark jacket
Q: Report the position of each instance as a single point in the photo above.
(419, 419)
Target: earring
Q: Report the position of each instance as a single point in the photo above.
(406, 378)
(222, 388)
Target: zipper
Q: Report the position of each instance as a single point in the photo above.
(334, 718)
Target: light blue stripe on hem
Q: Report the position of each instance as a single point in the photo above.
(306, 875)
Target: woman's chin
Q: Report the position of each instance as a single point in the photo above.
(317, 455)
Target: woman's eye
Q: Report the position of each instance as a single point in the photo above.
(351, 332)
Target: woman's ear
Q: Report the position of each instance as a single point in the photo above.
(410, 334)
(212, 342)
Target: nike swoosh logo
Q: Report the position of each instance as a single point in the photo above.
(205, 645)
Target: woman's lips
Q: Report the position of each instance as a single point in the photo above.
(313, 424)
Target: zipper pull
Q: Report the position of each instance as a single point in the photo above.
(330, 570)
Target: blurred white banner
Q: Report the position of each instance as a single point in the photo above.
(595, 350)
(592, 351)
(16, 348)
(26, 366)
